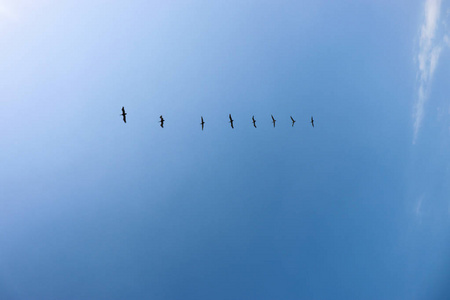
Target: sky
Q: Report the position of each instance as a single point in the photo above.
(357, 207)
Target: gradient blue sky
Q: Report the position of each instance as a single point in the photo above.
(356, 208)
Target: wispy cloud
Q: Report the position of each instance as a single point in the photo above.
(427, 58)
(418, 209)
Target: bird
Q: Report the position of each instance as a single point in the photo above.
(231, 121)
(273, 120)
(312, 121)
(162, 121)
(203, 123)
(293, 121)
(124, 114)
(254, 121)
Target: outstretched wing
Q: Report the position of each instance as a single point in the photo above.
(123, 109)
(231, 120)
(292, 119)
(124, 118)
(273, 119)
(232, 126)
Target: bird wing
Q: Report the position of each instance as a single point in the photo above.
(231, 120)
(124, 118)
(292, 119)
(123, 109)
(232, 125)
(272, 118)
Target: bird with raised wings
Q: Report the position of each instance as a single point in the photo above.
(254, 121)
(312, 121)
(273, 121)
(162, 121)
(203, 123)
(124, 114)
(293, 121)
(231, 121)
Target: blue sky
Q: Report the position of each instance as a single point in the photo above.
(356, 208)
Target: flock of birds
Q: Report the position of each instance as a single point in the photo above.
(124, 115)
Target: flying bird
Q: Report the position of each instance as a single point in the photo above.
(124, 115)
(254, 121)
(293, 121)
(203, 123)
(312, 121)
(162, 121)
(231, 121)
(273, 120)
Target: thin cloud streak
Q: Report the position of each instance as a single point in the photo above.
(428, 58)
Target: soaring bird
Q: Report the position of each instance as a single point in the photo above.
(273, 120)
(124, 115)
(312, 121)
(231, 121)
(293, 121)
(162, 121)
(203, 123)
(254, 121)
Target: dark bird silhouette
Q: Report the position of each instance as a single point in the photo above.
(124, 115)
(203, 123)
(231, 121)
(162, 121)
(293, 121)
(254, 121)
(312, 121)
(273, 120)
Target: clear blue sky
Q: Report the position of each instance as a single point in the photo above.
(356, 208)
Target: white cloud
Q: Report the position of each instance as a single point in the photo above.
(427, 58)
(418, 209)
